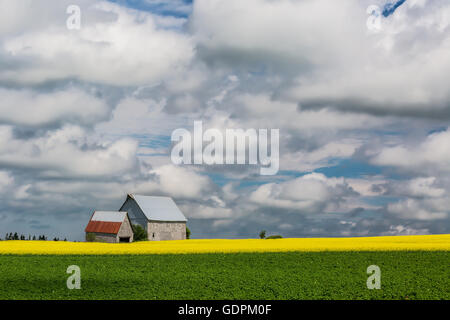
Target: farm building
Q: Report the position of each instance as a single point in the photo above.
(160, 216)
(109, 226)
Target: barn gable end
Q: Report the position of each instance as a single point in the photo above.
(109, 226)
(135, 213)
(160, 216)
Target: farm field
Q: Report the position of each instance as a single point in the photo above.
(270, 275)
(392, 243)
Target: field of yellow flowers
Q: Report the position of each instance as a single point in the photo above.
(391, 243)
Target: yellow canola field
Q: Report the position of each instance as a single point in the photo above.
(391, 243)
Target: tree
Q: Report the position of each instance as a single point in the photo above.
(90, 237)
(262, 234)
(188, 233)
(140, 234)
(16, 236)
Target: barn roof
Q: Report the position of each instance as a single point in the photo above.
(109, 216)
(106, 222)
(158, 208)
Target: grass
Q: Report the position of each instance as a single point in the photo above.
(283, 275)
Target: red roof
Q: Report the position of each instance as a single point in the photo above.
(103, 227)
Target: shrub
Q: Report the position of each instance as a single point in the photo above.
(188, 233)
(90, 237)
(262, 234)
(140, 234)
(276, 236)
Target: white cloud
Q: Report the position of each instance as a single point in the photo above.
(181, 182)
(433, 154)
(368, 186)
(311, 193)
(132, 49)
(398, 230)
(321, 157)
(200, 211)
(335, 61)
(65, 153)
(34, 109)
(6, 180)
(141, 116)
(419, 210)
(421, 187)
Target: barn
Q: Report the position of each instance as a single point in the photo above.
(160, 216)
(109, 226)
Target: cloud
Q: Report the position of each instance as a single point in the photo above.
(324, 59)
(414, 209)
(28, 108)
(131, 49)
(66, 153)
(430, 155)
(6, 180)
(423, 187)
(324, 156)
(181, 182)
(311, 193)
(404, 231)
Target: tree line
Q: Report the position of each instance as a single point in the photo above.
(16, 236)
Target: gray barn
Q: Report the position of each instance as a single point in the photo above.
(160, 216)
(109, 226)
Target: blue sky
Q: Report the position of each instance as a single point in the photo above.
(176, 8)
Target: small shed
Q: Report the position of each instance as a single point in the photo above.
(160, 216)
(109, 226)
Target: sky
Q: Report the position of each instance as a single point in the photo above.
(86, 115)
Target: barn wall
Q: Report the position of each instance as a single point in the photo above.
(105, 237)
(125, 230)
(159, 230)
(134, 212)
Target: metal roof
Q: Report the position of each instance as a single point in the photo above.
(159, 208)
(109, 216)
(103, 227)
(106, 221)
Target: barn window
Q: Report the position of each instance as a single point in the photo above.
(153, 234)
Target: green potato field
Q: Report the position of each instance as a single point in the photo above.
(293, 275)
